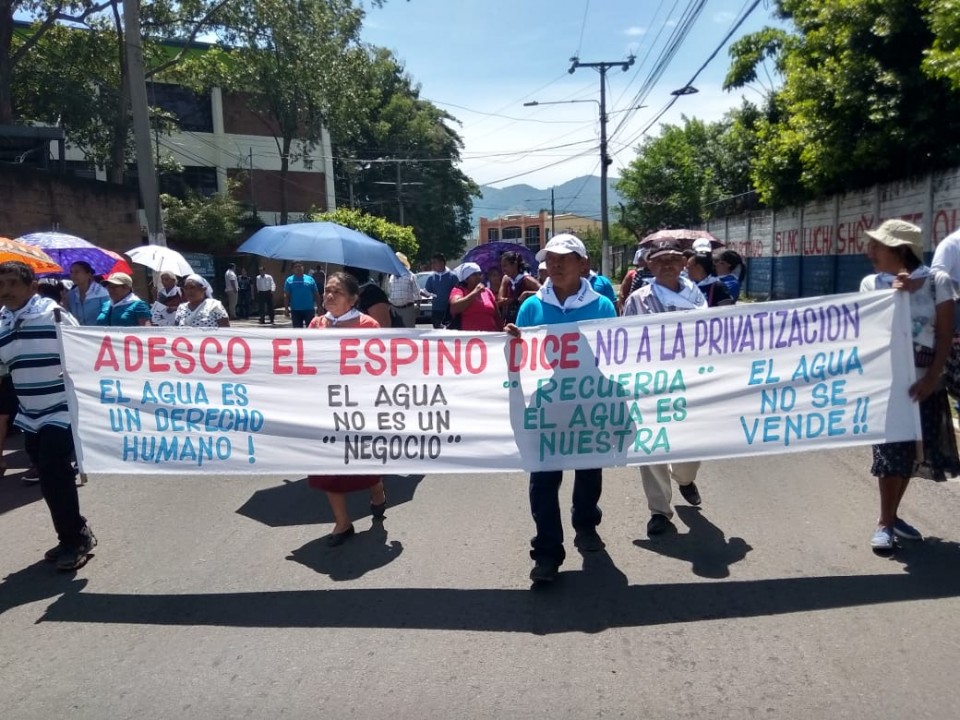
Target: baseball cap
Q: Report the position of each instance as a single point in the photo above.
(563, 244)
(119, 278)
(662, 248)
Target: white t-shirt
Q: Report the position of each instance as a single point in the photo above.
(923, 311)
(230, 281)
(946, 258)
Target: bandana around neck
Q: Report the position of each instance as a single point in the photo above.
(583, 297)
(351, 314)
(687, 298)
(885, 280)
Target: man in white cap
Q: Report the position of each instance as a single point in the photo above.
(565, 297)
(667, 291)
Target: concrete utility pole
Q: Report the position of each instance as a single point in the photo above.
(146, 171)
(604, 158)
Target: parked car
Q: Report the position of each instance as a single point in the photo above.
(425, 311)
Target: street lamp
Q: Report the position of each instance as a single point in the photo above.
(605, 162)
(685, 90)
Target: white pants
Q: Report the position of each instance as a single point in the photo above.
(657, 487)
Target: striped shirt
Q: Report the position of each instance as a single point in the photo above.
(29, 349)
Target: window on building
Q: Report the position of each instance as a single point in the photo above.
(493, 234)
(512, 233)
(200, 180)
(193, 112)
(532, 239)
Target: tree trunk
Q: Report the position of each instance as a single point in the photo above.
(6, 62)
(284, 168)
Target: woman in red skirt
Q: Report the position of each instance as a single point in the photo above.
(340, 296)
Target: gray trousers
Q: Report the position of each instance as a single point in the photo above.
(657, 487)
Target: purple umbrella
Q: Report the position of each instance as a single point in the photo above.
(488, 255)
(68, 249)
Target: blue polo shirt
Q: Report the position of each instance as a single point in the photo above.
(302, 292)
(535, 311)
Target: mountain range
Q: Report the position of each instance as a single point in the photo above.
(580, 196)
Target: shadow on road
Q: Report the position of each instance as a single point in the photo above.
(589, 600)
(362, 553)
(37, 582)
(296, 503)
(705, 547)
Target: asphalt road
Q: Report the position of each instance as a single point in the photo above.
(212, 597)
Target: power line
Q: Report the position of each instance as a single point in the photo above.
(690, 82)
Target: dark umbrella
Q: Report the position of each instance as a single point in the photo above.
(68, 249)
(488, 254)
(684, 236)
(325, 242)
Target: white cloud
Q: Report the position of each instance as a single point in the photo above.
(671, 23)
(635, 31)
(724, 18)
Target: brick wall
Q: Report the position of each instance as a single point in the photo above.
(32, 201)
(304, 189)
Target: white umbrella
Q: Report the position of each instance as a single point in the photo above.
(160, 259)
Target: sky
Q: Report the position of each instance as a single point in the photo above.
(481, 60)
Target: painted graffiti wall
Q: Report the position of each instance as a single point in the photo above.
(818, 249)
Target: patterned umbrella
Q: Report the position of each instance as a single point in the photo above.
(488, 255)
(68, 249)
(120, 263)
(32, 256)
(685, 237)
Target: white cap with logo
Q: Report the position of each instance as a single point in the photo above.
(563, 244)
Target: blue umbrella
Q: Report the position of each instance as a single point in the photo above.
(488, 255)
(68, 249)
(325, 242)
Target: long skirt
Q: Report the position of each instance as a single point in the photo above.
(938, 459)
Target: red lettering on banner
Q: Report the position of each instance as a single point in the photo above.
(106, 357)
(181, 349)
(443, 357)
(210, 354)
(547, 354)
(281, 350)
(155, 351)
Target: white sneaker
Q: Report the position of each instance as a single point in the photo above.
(31, 476)
(882, 539)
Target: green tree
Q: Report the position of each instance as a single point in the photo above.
(856, 106)
(203, 223)
(400, 238)
(673, 178)
(77, 76)
(402, 136)
(942, 59)
(296, 63)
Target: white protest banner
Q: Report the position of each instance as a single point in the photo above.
(747, 379)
